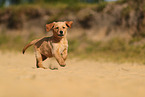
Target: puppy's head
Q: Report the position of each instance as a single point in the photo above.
(59, 28)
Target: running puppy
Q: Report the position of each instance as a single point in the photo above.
(54, 46)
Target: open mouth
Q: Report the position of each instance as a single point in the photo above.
(60, 35)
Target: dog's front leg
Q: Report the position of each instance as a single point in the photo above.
(59, 58)
(64, 54)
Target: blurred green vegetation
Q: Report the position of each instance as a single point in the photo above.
(13, 43)
(70, 2)
(115, 50)
(101, 6)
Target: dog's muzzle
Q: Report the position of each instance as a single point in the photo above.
(61, 33)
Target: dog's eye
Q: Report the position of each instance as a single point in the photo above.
(63, 27)
(56, 28)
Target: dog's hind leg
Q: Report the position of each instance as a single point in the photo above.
(39, 59)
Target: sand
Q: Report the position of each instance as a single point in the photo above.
(80, 78)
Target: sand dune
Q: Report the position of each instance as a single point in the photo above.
(80, 78)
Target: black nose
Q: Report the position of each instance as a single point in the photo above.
(61, 32)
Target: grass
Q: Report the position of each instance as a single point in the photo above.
(14, 43)
(114, 50)
(9, 43)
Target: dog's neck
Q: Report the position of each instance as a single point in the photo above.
(57, 39)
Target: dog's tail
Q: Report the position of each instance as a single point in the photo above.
(28, 45)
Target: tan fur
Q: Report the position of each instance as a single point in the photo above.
(54, 46)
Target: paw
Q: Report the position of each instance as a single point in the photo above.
(53, 67)
(42, 67)
(62, 65)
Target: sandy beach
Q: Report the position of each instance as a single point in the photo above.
(80, 78)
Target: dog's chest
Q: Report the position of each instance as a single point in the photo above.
(62, 47)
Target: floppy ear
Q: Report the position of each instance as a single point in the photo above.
(49, 26)
(68, 23)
